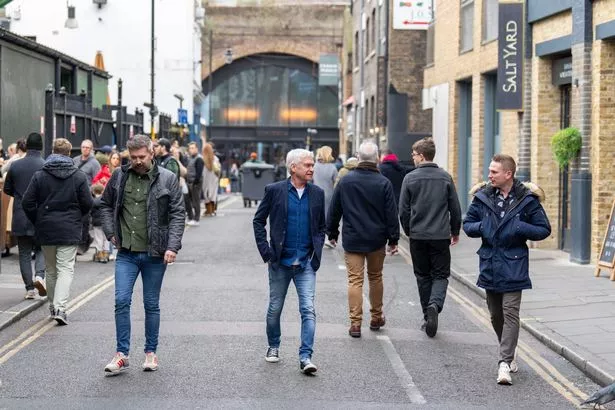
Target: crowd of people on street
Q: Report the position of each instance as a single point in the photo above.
(373, 195)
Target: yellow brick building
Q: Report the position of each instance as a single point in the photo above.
(569, 81)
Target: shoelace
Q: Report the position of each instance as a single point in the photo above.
(273, 352)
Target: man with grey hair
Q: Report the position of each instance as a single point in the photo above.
(143, 215)
(296, 213)
(366, 201)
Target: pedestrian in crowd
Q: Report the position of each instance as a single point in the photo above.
(505, 214)
(87, 161)
(20, 152)
(115, 161)
(339, 163)
(101, 244)
(350, 164)
(2, 152)
(430, 216)
(104, 175)
(16, 184)
(325, 174)
(234, 173)
(56, 201)
(296, 215)
(143, 215)
(393, 171)
(195, 184)
(365, 199)
(162, 150)
(211, 178)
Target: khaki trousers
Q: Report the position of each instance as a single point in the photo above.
(355, 267)
(60, 263)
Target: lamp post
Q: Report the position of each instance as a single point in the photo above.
(181, 100)
(153, 111)
(311, 132)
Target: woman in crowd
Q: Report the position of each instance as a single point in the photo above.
(211, 177)
(325, 174)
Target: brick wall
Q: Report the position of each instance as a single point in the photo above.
(603, 140)
(604, 10)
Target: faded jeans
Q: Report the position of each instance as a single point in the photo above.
(305, 283)
(128, 265)
(25, 246)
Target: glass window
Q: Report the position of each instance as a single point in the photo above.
(466, 25)
(368, 41)
(490, 20)
(373, 36)
(356, 49)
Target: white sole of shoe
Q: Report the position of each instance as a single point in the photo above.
(150, 369)
(309, 369)
(109, 373)
(505, 382)
(272, 359)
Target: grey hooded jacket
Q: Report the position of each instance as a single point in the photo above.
(165, 210)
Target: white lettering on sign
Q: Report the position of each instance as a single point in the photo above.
(510, 52)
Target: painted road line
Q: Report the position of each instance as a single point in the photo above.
(228, 202)
(555, 379)
(541, 366)
(404, 377)
(44, 325)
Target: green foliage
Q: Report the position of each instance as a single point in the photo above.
(566, 144)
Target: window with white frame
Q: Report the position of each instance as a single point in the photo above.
(490, 20)
(466, 26)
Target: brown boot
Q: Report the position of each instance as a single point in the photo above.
(355, 331)
(104, 257)
(208, 209)
(376, 324)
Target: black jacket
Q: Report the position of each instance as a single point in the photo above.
(97, 219)
(56, 200)
(275, 207)
(365, 199)
(394, 172)
(165, 210)
(16, 183)
(429, 207)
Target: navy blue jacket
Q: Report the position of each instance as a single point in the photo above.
(275, 207)
(504, 256)
(366, 201)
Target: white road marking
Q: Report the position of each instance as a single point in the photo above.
(404, 377)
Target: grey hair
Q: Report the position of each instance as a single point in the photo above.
(296, 155)
(368, 152)
(139, 141)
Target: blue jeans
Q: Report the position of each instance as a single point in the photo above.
(127, 267)
(305, 283)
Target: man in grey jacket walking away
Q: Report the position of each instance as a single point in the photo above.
(143, 215)
(430, 216)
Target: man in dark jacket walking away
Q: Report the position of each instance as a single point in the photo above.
(194, 178)
(430, 215)
(55, 202)
(365, 199)
(393, 171)
(506, 214)
(143, 215)
(17, 180)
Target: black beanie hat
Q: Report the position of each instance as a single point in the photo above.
(34, 142)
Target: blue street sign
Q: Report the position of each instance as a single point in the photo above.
(182, 116)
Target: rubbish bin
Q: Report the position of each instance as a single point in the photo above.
(254, 177)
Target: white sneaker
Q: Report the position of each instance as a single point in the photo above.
(30, 294)
(118, 364)
(190, 222)
(196, 223)
(504, 374)
(514, 367)
(39, 284)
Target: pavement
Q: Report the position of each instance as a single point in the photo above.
(212, 342)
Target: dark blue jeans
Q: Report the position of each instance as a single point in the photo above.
(128, 265)
(305, 283)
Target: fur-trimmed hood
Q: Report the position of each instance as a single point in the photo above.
(534, 189)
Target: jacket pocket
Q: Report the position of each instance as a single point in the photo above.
(162, 205)
(517, 264)
(486, 266)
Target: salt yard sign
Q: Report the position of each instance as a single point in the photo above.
(509, 95)
(412, 14)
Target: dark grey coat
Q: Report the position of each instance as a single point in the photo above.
(16, 183)
(165, 210)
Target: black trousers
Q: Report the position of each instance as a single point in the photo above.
(431, 260)
(193, 202)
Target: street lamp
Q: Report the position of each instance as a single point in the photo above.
(181, 100)
(311, 132)
(71, 21)
(228, 56)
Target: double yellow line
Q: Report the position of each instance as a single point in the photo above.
(41, 327)
(533, 359)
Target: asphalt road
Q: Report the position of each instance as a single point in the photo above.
(213, 342)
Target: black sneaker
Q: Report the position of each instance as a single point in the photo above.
(307, 367)
(61, 317)
(432, 320)
(273, 355)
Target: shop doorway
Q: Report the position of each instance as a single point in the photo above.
(564, 176)
(464, 138)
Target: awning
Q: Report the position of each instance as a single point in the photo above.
(99, 63)
(348, 101)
